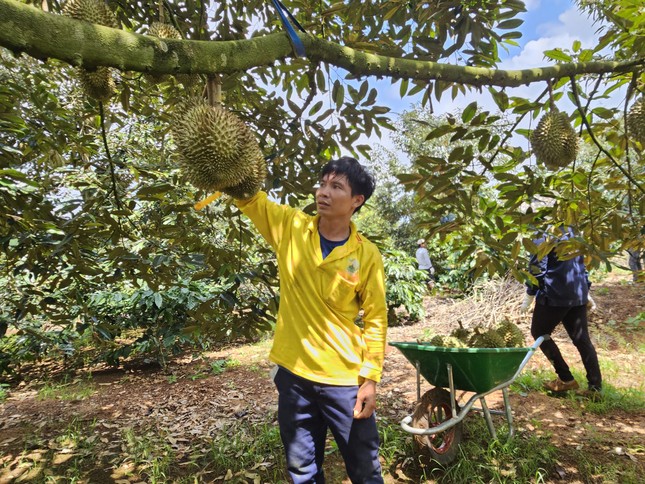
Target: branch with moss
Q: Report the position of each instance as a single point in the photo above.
(43, 35)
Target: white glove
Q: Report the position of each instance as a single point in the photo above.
(591, 304)
(527, 303)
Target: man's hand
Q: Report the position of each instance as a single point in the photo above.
(365, 400)
(526, 304)
(591, 304)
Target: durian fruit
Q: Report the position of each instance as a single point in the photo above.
(167, 31)
(487, 339)
(436, 341)
(218, 151)
(554, 141)
(461, 333)
(452, 342)
(92, 11)
(254, 182)
(164, 31)
(511, 334)
(636, 120)
(98, 84)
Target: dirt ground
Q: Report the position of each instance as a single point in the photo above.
(190, 405)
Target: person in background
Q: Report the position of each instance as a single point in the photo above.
(327, 366)
(423, 259)
(635, 264)
(561, 296)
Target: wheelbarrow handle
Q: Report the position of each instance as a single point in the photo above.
(405, 425)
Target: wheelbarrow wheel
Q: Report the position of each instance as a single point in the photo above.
(432, 410)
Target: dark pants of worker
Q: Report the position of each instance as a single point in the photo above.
(305, 411)
(574, 320)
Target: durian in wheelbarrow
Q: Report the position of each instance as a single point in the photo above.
(511, 334)
(461, 333)
(486, 339)
(98, 84)
(217, 151)
(554, 141)
(636, 120)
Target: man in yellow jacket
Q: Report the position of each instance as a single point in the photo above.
(328, 366)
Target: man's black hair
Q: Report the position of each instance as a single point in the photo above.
(359, 179)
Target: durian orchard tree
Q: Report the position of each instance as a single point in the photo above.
(91, 193)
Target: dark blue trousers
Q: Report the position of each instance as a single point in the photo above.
(574, 320)
(305, 411)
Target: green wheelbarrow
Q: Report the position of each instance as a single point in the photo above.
(437, 419)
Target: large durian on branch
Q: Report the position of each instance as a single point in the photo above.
(217, 151)
(636, 120)
(554, 141)
(98, 84)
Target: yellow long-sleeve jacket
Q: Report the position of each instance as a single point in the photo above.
(316, 336)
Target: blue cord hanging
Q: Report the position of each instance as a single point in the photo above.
(296, 43)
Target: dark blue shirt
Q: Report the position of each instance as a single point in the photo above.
(560, 282)
(326, 245)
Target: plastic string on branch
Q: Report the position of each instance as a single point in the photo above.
(217, 151)
(296, 43)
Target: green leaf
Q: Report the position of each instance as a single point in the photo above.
(558, 55)
(439, 132)
(510, 24)
(469, 112)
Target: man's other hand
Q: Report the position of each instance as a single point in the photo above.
(365, 400)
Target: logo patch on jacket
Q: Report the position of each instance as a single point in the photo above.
(351, 271)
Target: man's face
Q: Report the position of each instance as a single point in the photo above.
(334, 196)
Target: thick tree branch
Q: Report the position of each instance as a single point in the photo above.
(42, 35)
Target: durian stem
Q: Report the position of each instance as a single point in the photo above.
(551, 100)
(207, 200)
(214, 90)
(161, 13)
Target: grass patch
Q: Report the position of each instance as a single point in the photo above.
(76, 390)
(526, 458)
(589, 469)
(249, 451)
(149, 456)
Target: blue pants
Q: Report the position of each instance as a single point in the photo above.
(305, 411)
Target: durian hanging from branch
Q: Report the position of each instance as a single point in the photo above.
(217, 151)
(554, 141)
(98, 84)
(636, 121)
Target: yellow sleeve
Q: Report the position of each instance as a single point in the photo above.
(270, 218)
(374, 305)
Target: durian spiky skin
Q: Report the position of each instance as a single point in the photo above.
(98, 84)
(167, 31)
(92, 11)
(554, 141)
(253, 183)
(461, 334)
(512, 335)
(636, 120)
(436, 341)
(218, 152)
(487, 339)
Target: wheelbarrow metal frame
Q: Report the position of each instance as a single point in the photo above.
(459, 416)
